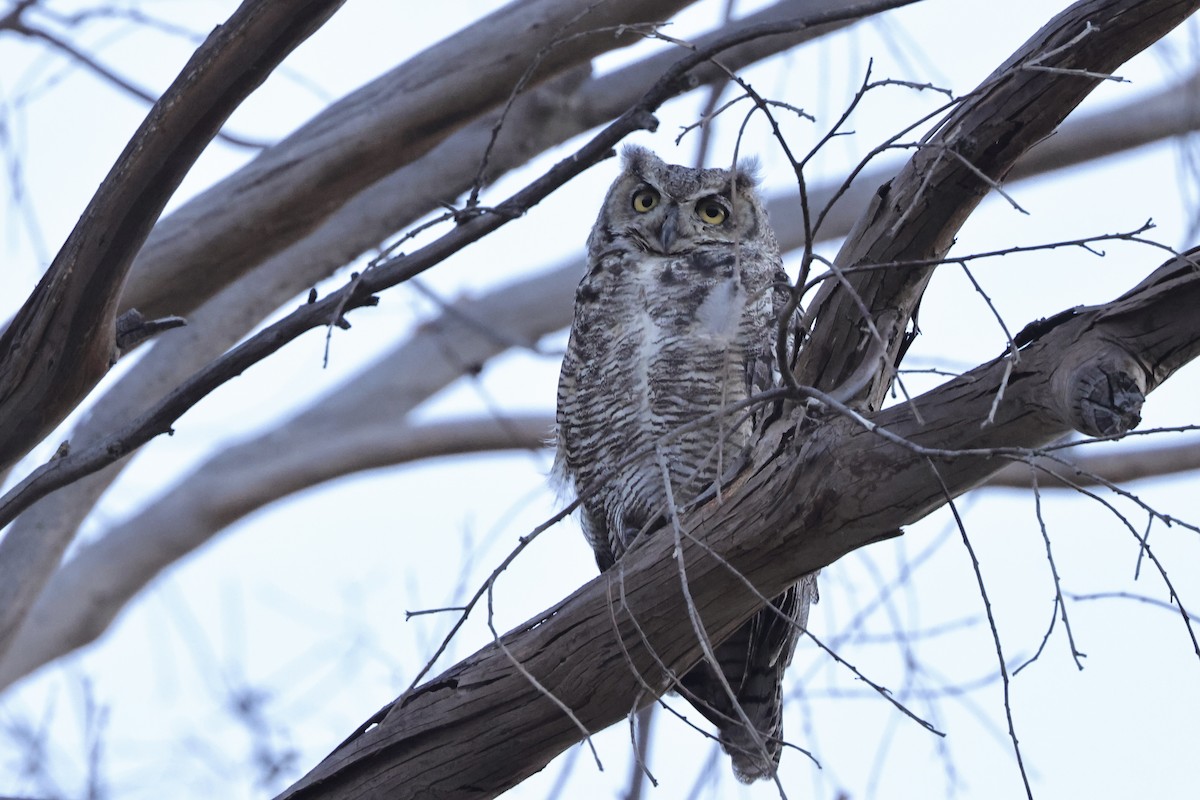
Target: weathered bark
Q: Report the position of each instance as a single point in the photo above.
(64, 339)
(482, 726)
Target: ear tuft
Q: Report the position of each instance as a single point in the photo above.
(636, 159)
(747, 174)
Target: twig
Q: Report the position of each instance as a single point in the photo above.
(987, 605)
(1059, 602)
(698, 626)
(422, 612)
(639, 737)
(516, 662)
(524, 542)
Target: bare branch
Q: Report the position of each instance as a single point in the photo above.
(1119, 466)
(293, 186)
(1009, 113)
(61, 341)
(83, 596)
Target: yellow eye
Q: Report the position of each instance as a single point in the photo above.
(644, 200)
(711, 212)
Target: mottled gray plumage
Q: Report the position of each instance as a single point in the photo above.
(674, 320)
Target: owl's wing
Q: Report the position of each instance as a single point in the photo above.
(762, 372)
(578, 419)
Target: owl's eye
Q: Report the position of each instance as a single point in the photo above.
(644, 200)
(711, 212)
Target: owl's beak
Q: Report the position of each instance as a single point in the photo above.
(666, 234)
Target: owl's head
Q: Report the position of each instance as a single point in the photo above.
(666, 208)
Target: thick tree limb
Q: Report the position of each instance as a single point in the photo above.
(482, 726)
(971, 150)
(62, 340)
(291, 187)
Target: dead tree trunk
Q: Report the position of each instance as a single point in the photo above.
(827, 479)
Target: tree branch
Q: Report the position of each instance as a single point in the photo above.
(62, 340)
(83, 597)
(1112, 467)
(974, 147)
(293, 186)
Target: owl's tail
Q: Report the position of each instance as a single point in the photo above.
(752, 662)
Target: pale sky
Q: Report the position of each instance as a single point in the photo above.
(303, 602)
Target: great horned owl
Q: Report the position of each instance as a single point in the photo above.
(675, 319)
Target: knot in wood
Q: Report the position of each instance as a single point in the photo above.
(1108, 398)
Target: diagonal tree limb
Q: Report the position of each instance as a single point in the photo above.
(481, 727)
(1009, 113)
(62, 340)
(1173, 111)
(291, 187)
